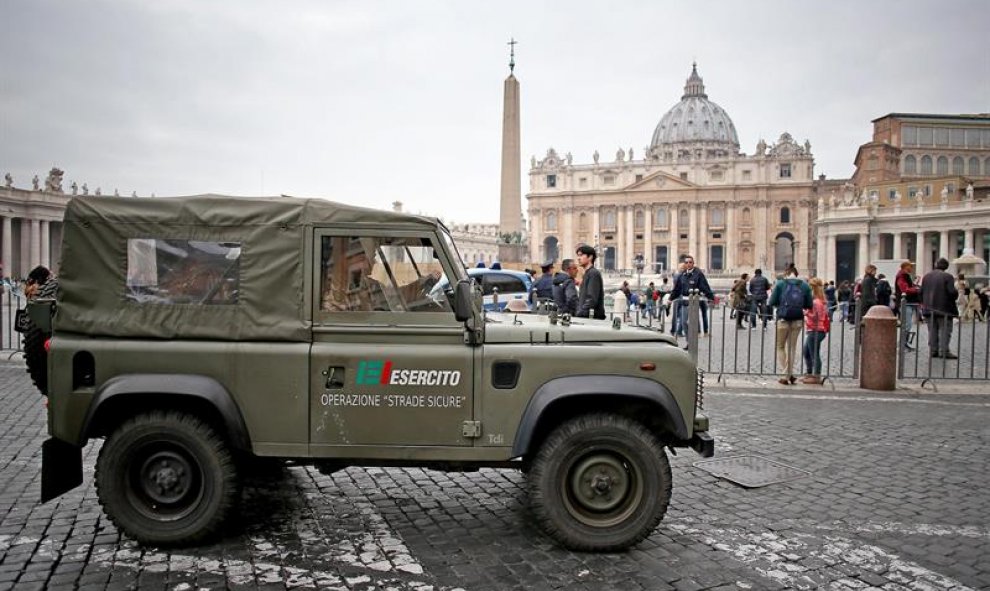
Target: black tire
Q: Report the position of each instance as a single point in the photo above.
(166, 478)
(600, 482)
(35, 356)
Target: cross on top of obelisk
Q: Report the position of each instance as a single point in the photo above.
(512, 54)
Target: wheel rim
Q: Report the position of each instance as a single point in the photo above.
(603, 488)
(165, 481)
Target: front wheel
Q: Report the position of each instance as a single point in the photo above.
(166, 478)
(600, 482)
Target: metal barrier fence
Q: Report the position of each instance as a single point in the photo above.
(11, 300)
(713, 338)
(938, 346)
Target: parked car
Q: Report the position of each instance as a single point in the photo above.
(511, 285)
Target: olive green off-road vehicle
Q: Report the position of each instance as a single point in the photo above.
(198, 335)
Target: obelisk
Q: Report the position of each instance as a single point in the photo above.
(510, 206)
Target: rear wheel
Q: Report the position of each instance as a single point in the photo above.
(600, 482)
(166, 478)
(35, 355)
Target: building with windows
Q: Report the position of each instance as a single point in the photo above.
(31, 229)
(692, 191)
(921, 191)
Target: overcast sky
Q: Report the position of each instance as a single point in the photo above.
(369, 102)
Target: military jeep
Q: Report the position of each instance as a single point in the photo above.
(199, 335)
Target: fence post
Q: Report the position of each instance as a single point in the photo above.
(692, 324)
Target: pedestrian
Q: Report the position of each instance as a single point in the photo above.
(938, 296)
(565, 293)
(649, 299)
(906, 298)
(41, 283)
(962, 301)
(884, 292)
(543, 288)
(830, 299)
(867, 291)
(759, 288)
(740, 293)
(843, 295)
(663, 302)
(591, 299)
(816, 326)
(984, 295)
(674, 306)
(790, 298)
(691, 279)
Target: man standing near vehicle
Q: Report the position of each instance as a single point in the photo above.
(938, 296)
(565, 293)
(759, 287)
(690, 279)
(591, 301)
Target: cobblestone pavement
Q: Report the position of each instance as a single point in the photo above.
(896, 499)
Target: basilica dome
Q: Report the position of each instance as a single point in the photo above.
(695, 127)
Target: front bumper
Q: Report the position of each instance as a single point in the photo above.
(703, 443)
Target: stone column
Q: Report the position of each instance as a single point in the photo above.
(703, 253)
(829, 267)
(730, 240)
(673, 218)
(943, 244)
(630, 236)
(8, 245)
(46, 258)
(693, 235)
(35, 242)
(898, 247)
(620, 235)
(921, 248)
(762, 258)
(648, 253)
(968, 240)
(864, 254)
(535, 237)
(567, 246)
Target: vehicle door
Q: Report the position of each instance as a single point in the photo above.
(389, 365)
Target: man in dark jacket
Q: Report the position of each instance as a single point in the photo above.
(759, 289)
(691, 278)
(565, 293)
(591, 300)
(938, 296)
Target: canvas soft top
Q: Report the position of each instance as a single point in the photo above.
(271, 232)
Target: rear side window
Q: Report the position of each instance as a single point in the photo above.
(176, 271)
(504, 283)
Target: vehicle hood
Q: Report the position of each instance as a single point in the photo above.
(536, 328)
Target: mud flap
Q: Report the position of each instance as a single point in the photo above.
(61, 468)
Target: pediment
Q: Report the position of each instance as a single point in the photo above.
(660, 180)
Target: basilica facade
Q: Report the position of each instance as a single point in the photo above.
(691, 191)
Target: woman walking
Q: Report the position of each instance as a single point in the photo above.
(816, 327)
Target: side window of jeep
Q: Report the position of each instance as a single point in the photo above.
(177, 271)
(379, 274)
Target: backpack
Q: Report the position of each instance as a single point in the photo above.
(883, 291)
(791, 305)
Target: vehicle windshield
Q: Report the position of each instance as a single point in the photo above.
(459, 266)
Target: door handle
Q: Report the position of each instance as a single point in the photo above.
(335, 375)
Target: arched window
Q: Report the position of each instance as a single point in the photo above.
(785, 215)
(926, 165)
(974, 165)
(661, 217)
(747, 217)
(583, 221)
(942, 166)
(551, 223)
(682, 220)
(716, 217)
(910, 165)
(958, 165)
(609, 219)
(638, 219)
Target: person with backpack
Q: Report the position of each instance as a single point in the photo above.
(906, 292)
(843, 295)
(790, 298)
(830, 299)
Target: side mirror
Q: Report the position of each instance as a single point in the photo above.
(463, 300)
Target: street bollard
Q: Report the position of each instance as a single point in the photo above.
(878, 363)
